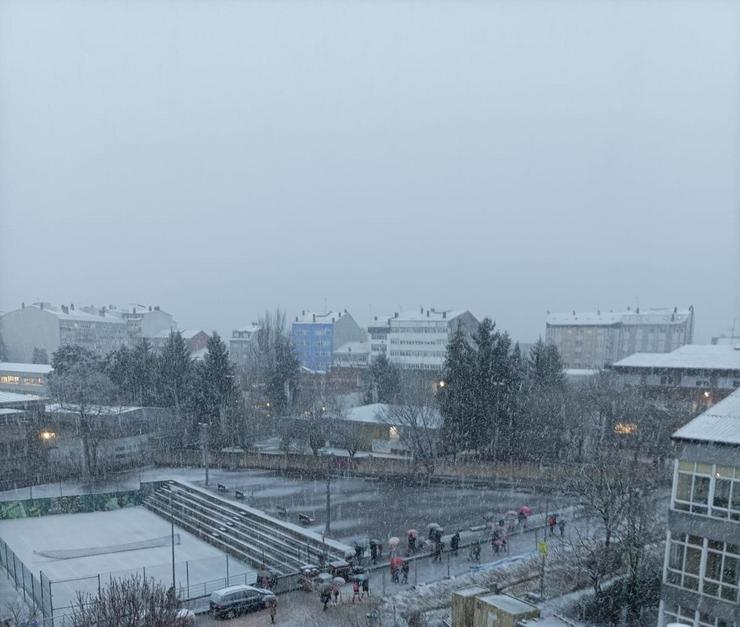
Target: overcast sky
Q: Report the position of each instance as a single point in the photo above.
(219, 158)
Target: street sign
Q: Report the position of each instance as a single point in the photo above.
(542, 548)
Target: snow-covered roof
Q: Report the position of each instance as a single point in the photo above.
(689, 356)
(354, 348)
(77, 315)
(720, 423)
(6, 411)
(13, 397)
(417, 315)
(509, 604)
(379, 413)
(312, 317)
(9, 366)
(252, 328)
(93, 410)
(629, 317)
(380, 321)
(186, 334)
(581, 372)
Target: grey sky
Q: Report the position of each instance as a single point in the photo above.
(219, 157)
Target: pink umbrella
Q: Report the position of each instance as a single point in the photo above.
(412, 532)
(394, 541)
(527, 511)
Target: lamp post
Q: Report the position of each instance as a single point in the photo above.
(172, 538)
(327, 530)
(204, 446)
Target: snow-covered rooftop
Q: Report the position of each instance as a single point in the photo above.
(13, 397)
(80, 316)
(417, 315)
(720, 423)
(353, 348)
(252, 328)
(628, 317)
(10, 366)
(690, 356)
(200, 354)
(96, 410)
(6, 411)
(187, 334)
(313, 317)
(379, 413)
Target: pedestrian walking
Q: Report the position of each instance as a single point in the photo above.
(374, 551)
(272, 607)
(561, 526)
(412, 543)
(455, 543)
(335, 593)
(365, 588)
(356, 591)
(405, 571)
(521, 518)
(551, 522)
(359, 550)
(326, 597)
(437, 555)
(475, 552)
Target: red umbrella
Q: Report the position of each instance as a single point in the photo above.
(396, 562)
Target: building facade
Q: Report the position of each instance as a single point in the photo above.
(377, 332)
(48, 327)
(315, 335)
(700, 373)
(701, 569)
(417, 340)
(241, 345)
(599, 339)
(24, 378)
(195, 340)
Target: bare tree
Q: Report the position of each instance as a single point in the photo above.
(418, 429)
(350, 436)
(126, 603)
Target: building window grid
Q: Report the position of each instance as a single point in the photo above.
(695, 489)
(683, 615)
(710, 567)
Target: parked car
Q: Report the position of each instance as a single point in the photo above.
(235, 600)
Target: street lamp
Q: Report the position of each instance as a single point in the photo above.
(47, 436)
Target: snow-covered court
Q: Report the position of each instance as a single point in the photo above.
(101, 537)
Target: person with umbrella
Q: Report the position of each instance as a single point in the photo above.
(365, 587)
(455, 543)
(356, 589)
(325, 593)
(393, 544)
(395, 568)
(359, 550)
(336, 585)
(405, 571)
(412, 533)
(374, 551)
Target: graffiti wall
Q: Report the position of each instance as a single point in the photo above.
(75, 504)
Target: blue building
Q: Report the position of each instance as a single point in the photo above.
(316, 335)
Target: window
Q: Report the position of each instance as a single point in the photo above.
(717, 578)
(726, 497)
(692, 487)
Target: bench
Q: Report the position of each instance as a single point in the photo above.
(221, 487)
(239, 494)
(305, 519)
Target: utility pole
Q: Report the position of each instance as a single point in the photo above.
(172, 537)
(327, 531)
(204, 446)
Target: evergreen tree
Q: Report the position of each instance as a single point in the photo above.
(119, 368)
(282, 379)
(71, 355)
(385, 382)
(3, 349)
(143, 373)
(456, 393)
(216, 390)
(174, 373)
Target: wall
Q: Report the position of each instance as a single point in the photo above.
(28, 328)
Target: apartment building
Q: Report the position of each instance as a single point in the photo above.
(315, 336)
(48, 327)
(701, 571)
(417, 340)
(598, 339)
(377, 332)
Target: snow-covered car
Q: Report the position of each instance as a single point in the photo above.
(235, 600)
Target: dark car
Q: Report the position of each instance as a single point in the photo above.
(234, 600)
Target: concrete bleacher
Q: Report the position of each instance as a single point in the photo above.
(243, 532)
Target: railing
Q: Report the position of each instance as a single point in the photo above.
(24, 580)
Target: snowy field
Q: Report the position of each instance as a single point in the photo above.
(29, 536)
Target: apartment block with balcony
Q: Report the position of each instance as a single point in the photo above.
(315, 336)
(599, 339)
(701, 573)
(377, 332)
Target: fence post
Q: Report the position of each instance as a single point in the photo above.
(187, 578)
(23, 580)
(383, 574)
(98, 584)
(227, 570)
(143, 568)
(15, 574)
(41, 585)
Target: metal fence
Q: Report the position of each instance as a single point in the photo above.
(23, 579)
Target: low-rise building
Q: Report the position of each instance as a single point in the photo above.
(18, 415)
(24, 378)
(598, 339)
(417, 340)
(352, 355)
(242, 345)
(699, 373)
(701, 573)
(195, 340)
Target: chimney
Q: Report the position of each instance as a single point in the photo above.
(156, 307)
(72, 306)
(303, 312)
(444, 315)
(314, 317)
(376, 317)
(150, 307)
(574, 313)
(637, 310)
(395, 315)
(675, 309)
(422, 310)
(23, 305)
(427, 313)
(296, 318)
(42, 306)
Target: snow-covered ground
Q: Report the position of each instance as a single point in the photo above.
(206, 565)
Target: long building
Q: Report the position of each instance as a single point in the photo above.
(701, 572)
(599, 339)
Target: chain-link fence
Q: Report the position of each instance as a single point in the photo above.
(23, 579)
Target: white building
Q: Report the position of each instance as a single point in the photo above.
(417, 340)
(352, 355)
(47, 327)
(377, 332)
(241, 344)
(147, 321)
(598, 339)
(701, 572)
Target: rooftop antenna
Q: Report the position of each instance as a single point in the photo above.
(325, 309)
